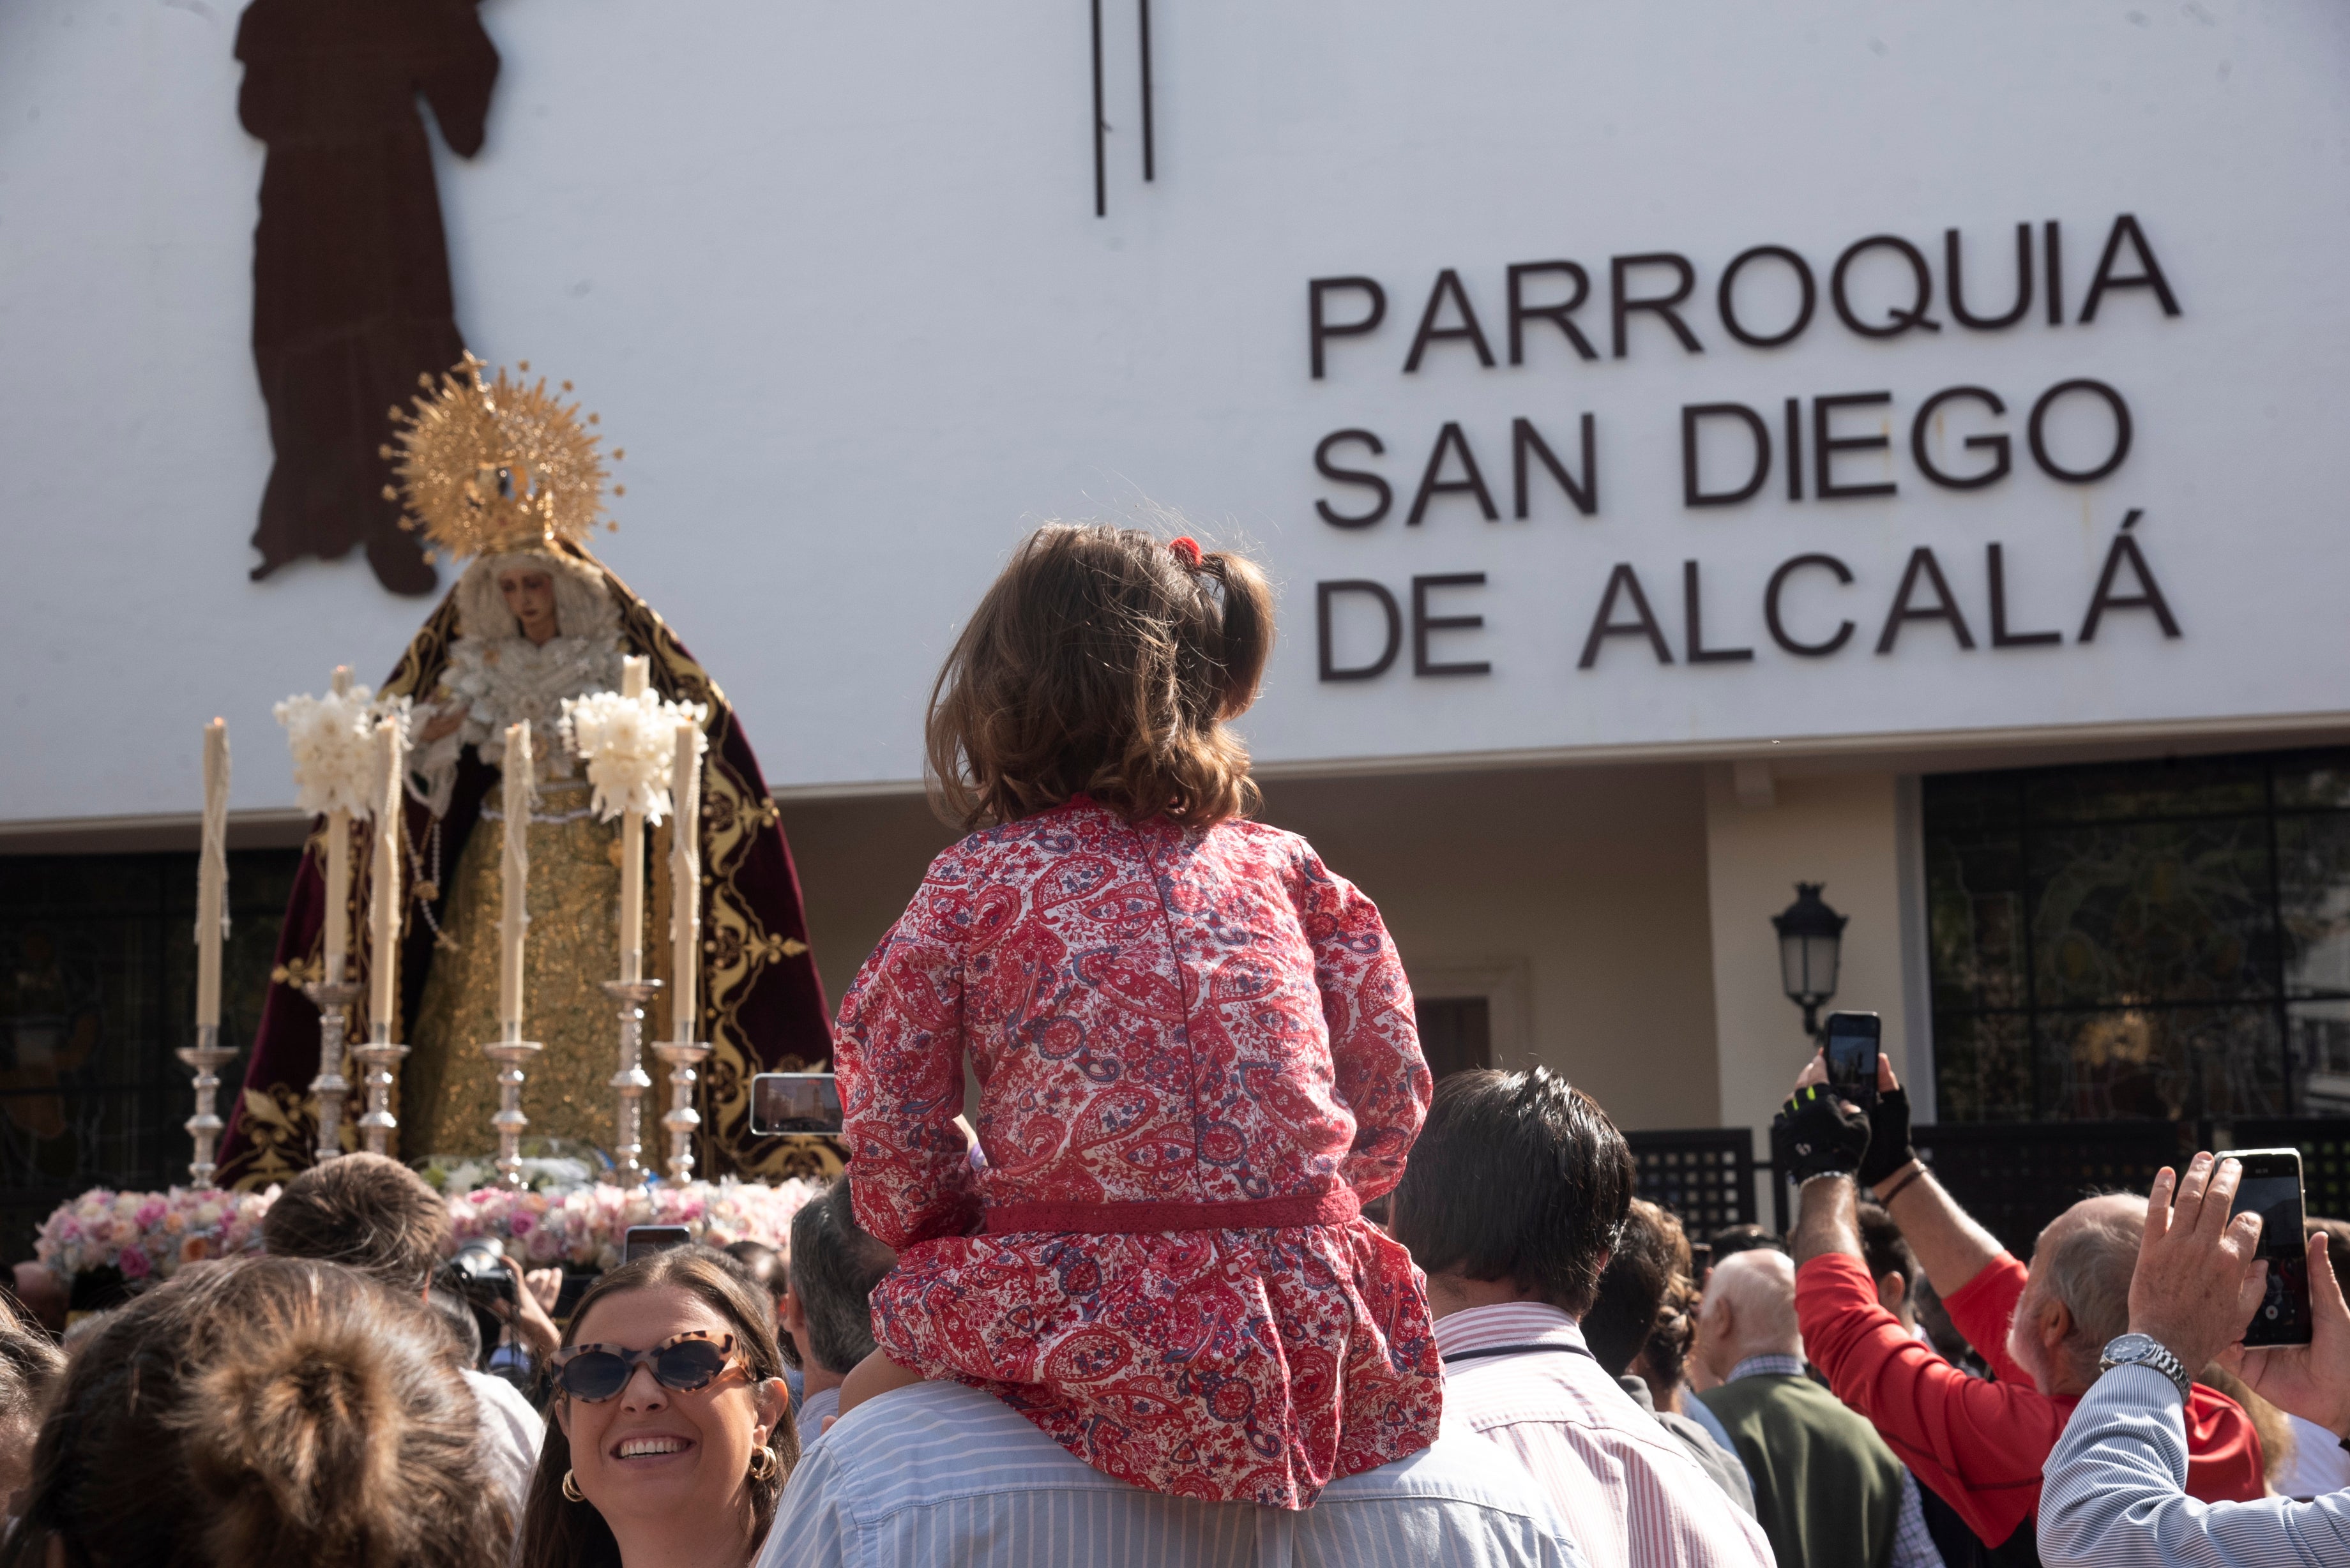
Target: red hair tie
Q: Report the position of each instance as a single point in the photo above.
(1187, 550)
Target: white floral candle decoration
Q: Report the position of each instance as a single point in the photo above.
(627, 739)
(333, 743)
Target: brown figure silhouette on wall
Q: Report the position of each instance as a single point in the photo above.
(350, 269)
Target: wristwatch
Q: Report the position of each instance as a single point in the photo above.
(2144, 1350)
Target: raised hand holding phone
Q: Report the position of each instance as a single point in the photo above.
(2199, 1273)
(2271, 1188)
(2313, 1380)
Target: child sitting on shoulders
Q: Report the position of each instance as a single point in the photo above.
(1195, 1053)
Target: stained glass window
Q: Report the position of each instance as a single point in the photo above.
(2166, 940)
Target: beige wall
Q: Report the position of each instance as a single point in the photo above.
(1579, 892)
(1589, 882)
(1841, 829)
(860, 861)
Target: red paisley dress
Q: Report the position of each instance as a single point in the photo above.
(1164, 1023)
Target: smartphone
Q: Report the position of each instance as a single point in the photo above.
(2271, 1188)
(795, 1105)
(1851, 1040)
(644, 1241)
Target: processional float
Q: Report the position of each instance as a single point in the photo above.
(474, 461)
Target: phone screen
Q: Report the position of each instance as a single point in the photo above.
(643, 1241)
(1852, 1045)
(791, 1104)
(2277, 1201)
(2271, 1188)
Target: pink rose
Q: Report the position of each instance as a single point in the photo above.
(519, 1224)
(133, 1264)
(149, 1212)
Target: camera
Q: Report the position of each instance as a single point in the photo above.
(478, 1273)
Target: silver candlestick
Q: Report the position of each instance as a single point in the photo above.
(378, 1059)
(630, 1080)
(511, 1054)
(207, 1055)
(333, 998)
(683, 1120)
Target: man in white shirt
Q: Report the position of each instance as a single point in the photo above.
(375, 1215)
(1515, 1194)
(941, 1476)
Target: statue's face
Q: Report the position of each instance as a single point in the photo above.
(530, 593)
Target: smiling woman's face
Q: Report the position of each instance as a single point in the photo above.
(650, 1454)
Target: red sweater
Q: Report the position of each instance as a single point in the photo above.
(1981, 1445)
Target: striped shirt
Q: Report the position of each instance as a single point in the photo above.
(2114, 1493)
(941, 1474)
(1630, 1491)
(1913, 1543)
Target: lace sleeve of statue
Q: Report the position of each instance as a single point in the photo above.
(432, 766)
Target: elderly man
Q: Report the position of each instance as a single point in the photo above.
(2113, 1494)
(1828, 1492)
(1516, 1192)
(1980, 1445)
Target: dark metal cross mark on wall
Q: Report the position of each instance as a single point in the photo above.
(1101, 123)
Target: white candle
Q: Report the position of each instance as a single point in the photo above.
(338, 873)
(685, 873)
(634, 673)
(211, 875)
(514, 914)
(384, 915)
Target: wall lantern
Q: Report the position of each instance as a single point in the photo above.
(1811, 938)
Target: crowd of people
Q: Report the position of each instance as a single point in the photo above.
(1143, 1314)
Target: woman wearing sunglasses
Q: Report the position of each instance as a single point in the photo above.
(671, 1438)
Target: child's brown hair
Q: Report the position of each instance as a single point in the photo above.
(1103, 661)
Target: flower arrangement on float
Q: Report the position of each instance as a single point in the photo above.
(140, 1238)
(584, 1227)
(145, 1236)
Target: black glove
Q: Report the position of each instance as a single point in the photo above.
(1821, 1134)
(1888, 1137)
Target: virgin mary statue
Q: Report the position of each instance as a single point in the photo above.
(500, 472)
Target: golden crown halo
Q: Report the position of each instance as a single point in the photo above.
(486, 466)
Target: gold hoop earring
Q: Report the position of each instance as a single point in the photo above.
(571, 1488)
(762, 1463)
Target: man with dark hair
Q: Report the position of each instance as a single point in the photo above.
(826, 1313)
(1513, 1199)
(376, 1216)
(1891, 1261)
(1980, 1446)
